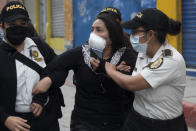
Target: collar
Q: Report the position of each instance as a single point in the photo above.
(142, 55)
(5, 40)
(29, 43)
(157, 54)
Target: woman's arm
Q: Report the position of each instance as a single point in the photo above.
(132, 83)
(61, 64)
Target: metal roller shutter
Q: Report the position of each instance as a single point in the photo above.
(189, 32)
(57, 11)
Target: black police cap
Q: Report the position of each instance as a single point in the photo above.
(14, 10)
(151, 18)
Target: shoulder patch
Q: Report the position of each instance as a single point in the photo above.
(35, 53)
(36, 56)
(156, 64)
(167, 52)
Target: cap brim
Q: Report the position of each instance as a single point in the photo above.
(132, 24)
(14, 17)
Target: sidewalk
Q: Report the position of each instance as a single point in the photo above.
(190, 92)
(69, 92)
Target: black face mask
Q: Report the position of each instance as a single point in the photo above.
(16, 34)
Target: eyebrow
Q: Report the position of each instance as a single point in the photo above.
(96, 27)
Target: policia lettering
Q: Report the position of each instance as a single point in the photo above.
(14, 7)
(109, 9)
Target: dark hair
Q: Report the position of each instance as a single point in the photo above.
(173, 28)
(3, 24)
(115, 31)
(31, 31)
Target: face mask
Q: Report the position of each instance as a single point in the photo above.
(97, 44)
(16, 34)
(141, 48)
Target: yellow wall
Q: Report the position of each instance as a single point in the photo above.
(68, 22)
(55, 43)
(37, 16)
(173, 9)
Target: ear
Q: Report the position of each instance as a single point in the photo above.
(152, 33)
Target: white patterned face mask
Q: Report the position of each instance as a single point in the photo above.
(97, 44)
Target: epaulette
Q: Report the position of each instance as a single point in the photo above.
(167, 52)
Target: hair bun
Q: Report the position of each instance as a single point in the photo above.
(174, 27)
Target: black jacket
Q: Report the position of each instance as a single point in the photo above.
(98, 98)
(8, 80)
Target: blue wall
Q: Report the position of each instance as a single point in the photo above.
(189, 32)
(85, 11)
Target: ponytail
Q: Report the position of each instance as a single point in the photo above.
(174, 27)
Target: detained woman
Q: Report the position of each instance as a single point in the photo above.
(98, 100)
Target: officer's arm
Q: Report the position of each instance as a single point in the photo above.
(132, 83)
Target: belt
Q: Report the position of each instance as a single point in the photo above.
(178, 121)
(27, 116)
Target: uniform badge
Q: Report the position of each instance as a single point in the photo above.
(156, 64)
(139, 15)
(36, 56)
(167, 52)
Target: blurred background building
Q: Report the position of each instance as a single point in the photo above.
(67, 23)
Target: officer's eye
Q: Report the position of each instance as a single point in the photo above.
(137, 32)
(23, 23)
(11, 24)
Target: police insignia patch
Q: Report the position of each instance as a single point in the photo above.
(156, 64)
(139, 15)
(167, 52)
(38, 59)
(35, 56)
(35, 53)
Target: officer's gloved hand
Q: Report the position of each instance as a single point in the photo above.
(124, 68)
(98, 65)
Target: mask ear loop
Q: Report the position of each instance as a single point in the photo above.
(146, 34)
